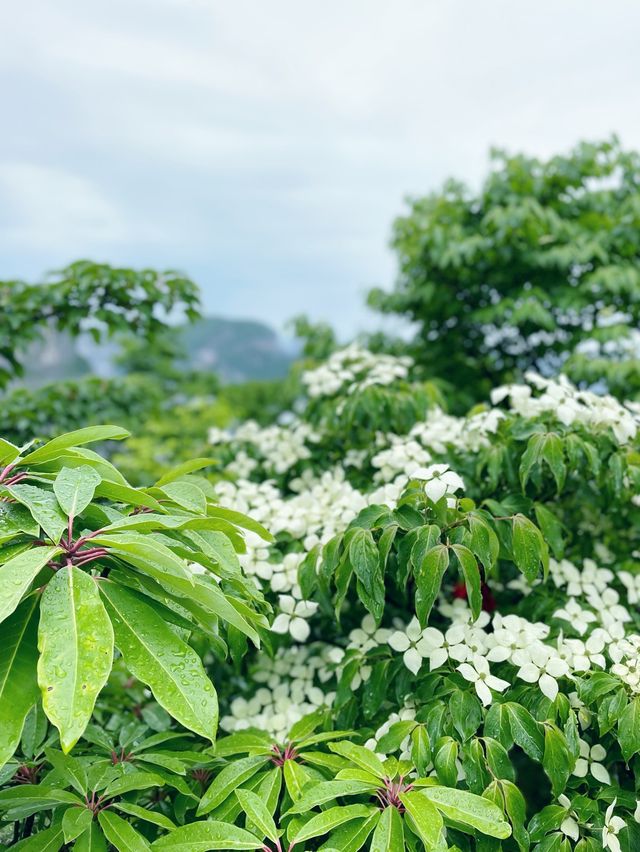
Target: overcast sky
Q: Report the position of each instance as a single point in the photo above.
(264, 146)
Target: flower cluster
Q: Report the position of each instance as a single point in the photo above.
(569, 405)
(354, 369)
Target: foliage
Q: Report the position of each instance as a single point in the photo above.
(88, 563)
(87, 296)
(437, 648)
(538, 270)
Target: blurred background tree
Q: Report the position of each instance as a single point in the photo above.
(538, 270)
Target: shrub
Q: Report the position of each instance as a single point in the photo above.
(453, 660)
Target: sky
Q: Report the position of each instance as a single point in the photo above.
(264, 148)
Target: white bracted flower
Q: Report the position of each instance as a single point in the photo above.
(543, 668)
(292, 617)
(589, 762)
(442, 647)
(438, 480)
(569, 827)
(584, 655)
(368, 635)
(578, 618)
(409, 642)
(613, 825)
(478, 673)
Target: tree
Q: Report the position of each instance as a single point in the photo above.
(88, 297)
(539, 270)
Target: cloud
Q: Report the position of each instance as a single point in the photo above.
(266, 147)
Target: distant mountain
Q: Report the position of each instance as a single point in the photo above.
(237, 350)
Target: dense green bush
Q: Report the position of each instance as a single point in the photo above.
(453, 659)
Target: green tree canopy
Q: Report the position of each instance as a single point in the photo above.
(539, 270)
(91, 297)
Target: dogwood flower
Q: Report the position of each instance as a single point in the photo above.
(411, 645)
(438, 480)
(479, 674)
(292, 617)
(543, 668)
(579, 618)
(589, 761)
(442, 647)
(613, 825)
(569, 827)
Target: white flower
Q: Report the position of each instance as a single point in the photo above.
(409, 644)
(632, 585)
(292, 617)
(589, 761)
(440, 647)
(480, 676)
(579, 618)
(439, 480)
(613, 825)
(586, 654)
(543, 668)
(368, 635)
(569, 826)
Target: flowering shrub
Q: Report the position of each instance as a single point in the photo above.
(454, 654)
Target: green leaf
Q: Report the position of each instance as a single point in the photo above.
(327, 791)
(229, 779)
(257, 812)
(49, 840)
(69, 768)
(74, 488)
(364, 557)
(43, 507)
(326, 821)
(483, 541)
(184, 468)
(551, 529)
(420, 749)
(18, 682)
(557, 761)
(296, 777)
(529, 548)
(471, 575)
(429, 576)
(156, 656)
(526, 732)
(352, 836)
(16, 519)
(362, 757)
(27, 799)
(239, 520)
(74, 439)
(75, 639)
(466, 713)
(92, 840)
(121, 834)
(145, 814)
(17, 574)
(530, 457)
(125, 494)
(395, 736)
(553, 455)
(389, 833)
(137, 780)
(629, 730)
(426, 818)
(469, 810)
(516, 808)
(208, 835)
(74, 822)
(187, 495)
